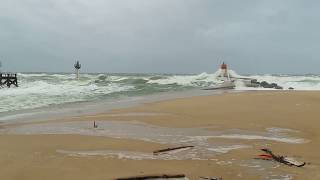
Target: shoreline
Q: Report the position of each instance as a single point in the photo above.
(70, 110)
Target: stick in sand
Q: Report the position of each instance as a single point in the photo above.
(170, 149)
(153, 177)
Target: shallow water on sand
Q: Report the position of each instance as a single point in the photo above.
(173, 137)
(197, 137)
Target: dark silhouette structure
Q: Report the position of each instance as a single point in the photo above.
(77, 66)
(8, 79)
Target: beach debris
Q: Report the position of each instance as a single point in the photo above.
(281, 159)
(164, 176)
(162, 151)
(265, 156)
(211, 178)
(95, 125)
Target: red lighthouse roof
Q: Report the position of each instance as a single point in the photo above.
(223, 66)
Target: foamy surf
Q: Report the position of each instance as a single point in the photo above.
(266, 169)
(257, 137)
(183, 154)
(41, 89)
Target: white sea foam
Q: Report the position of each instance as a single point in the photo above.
(281, 177)
(257, 137)
(133, 155)
(42, 93)
(181, 154)
(280, 130)
(307, 82)
(202, 79)
(43, 89)
(225, 149)
(151, 133)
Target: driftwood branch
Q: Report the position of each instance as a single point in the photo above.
(154, 177)
(211, 178)
(170, 149)
(282, 159)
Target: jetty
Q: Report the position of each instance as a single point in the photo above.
(8, 79)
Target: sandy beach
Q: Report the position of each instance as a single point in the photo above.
(159, 89)
(227, 131)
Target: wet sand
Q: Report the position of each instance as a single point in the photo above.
(252, 119)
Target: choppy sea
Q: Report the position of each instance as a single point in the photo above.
(37, 90)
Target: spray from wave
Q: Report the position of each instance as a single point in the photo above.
(42, 89)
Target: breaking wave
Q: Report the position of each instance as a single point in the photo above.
(42, 89)
(299, 82)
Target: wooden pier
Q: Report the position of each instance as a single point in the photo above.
(8, 79)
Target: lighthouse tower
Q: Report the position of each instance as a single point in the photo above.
(77, 66)
(224, 71)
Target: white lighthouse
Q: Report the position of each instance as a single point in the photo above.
(77, 66)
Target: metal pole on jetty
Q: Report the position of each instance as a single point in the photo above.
(77, 66)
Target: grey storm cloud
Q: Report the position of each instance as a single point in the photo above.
(160, 36)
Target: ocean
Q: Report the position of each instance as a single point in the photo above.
(38, 90)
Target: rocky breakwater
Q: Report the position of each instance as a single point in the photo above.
(265, 84)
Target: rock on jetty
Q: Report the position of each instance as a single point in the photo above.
(265, 84)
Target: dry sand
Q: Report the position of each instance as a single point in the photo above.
(35, 156)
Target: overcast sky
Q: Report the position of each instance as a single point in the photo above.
(161, 36)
